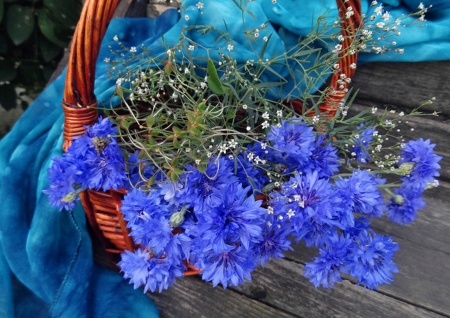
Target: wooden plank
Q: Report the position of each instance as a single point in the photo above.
(404, 85)
(281, 284)
(191, 297)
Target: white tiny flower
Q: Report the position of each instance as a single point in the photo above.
(380, 25)
(232, 144)
(197, 161)
(374, 110)
(230, 47)
(186, 17)
(191, 48)
(341, 38)
(374, 3)
(107, 59)
(265, 124)
(265, 39)
(270, 210)
(199, 5)
(274, 1)
(244, 106)
(188, 150)
(256, 34)
(379, 10)
(290, 213)
(386, 16)
(348, 14)
(248, 128)
(133, 49)
(116, 38)
(337, 48)
(266, 115)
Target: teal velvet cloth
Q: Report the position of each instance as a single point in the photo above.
(46, 266)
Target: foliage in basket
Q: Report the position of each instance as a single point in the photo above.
(222, 170)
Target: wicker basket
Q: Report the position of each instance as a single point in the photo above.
(103, 208)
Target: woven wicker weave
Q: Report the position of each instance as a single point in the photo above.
(103, 208)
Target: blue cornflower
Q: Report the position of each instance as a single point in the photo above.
(105, 170)
(370, 261)
(103, 128)
(135, 266)
(200, 186)
(139, 206)
(83, 144)
(404, 204)
(236, 220)
(274, 239)
(162, 273)
(361, 194)
(309, 203)
(362, 143)
(293, 140)
(229, 267)
(323, 159)
(325, 269)
(154, 233)
(152, 271)
(425, 163)
(62, 175)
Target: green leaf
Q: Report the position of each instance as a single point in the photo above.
(19, 23)
(2, 10)
(213, 79)
(8, 97)
(7, 71)
(150, 121)
(48, 50)
(64, 12)
(48, 27)
(230, 114)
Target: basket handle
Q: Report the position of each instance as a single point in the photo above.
(349, 25)
(80, 103)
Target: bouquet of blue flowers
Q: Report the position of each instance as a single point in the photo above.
(224, 169)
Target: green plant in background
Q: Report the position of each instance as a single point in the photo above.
(33, 35)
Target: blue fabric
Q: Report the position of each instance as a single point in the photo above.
(46, 266)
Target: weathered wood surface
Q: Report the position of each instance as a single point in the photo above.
(421, 289)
